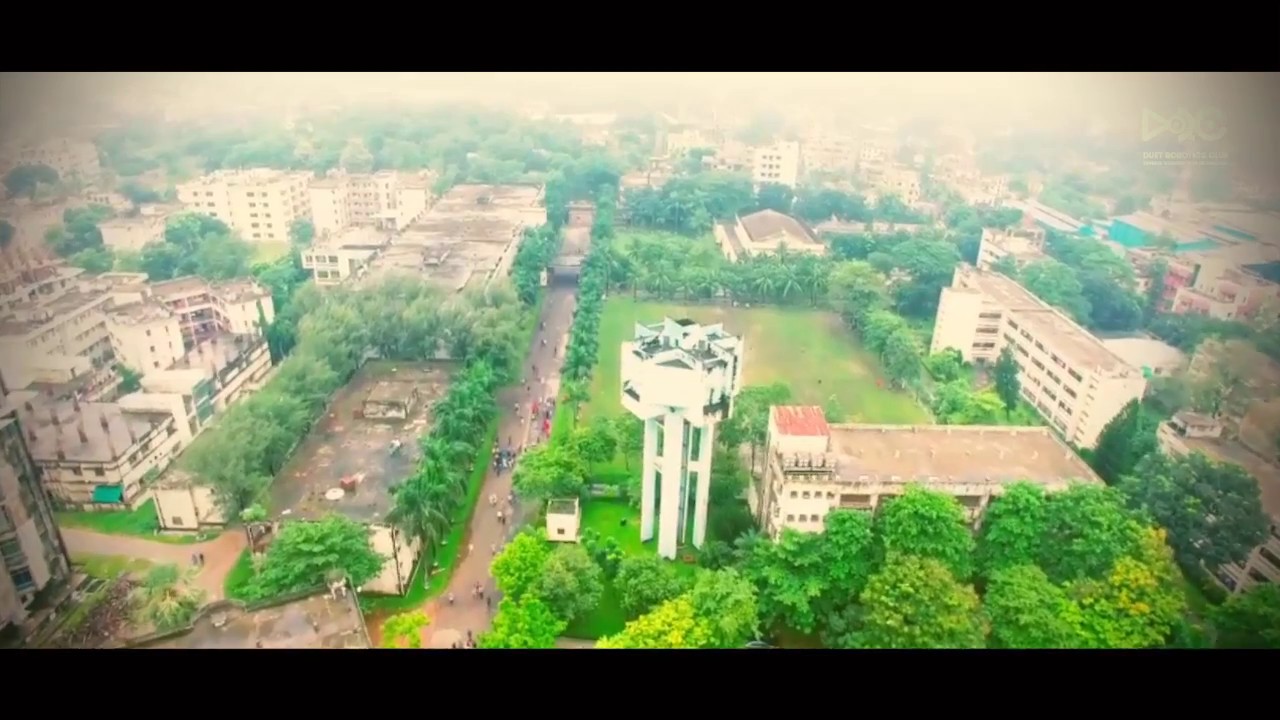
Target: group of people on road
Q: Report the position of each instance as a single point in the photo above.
(503, 458)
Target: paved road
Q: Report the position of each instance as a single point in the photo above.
(450, 623)
(220, 554)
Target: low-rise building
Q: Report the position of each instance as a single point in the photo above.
(1186, 433)
(334, 258)
(132, 234)
(779, 164)
(1072, 379)
(260, 204)
(766, 232)
(93, 454)
(319, 620)
(814, 467)
(1021, 246)
(32, 556)
(564, 517)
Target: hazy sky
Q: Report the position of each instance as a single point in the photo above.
(1249, 100)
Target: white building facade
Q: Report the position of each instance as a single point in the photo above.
(387, 200)
(1072, 379)
(680, 378)
(259, 204)
(778, 164)
(814, 468)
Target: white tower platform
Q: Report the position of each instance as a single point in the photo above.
(680, 378)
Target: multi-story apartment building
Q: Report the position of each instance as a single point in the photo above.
(904, 184)
(814, 467)
(829, 152)
(32, 555)
(387, 200)
(1066, 373)
(1189, 432)
(779, 164)
(259, 204)
(132, 233)
(1022, 246)
(70, 158)
(204, 309)
(146, 336)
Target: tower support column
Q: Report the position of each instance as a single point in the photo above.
(672, 470)
(701, 464)
(649, 480)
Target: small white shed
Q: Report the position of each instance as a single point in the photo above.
(563, 520)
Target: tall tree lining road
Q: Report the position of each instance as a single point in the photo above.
(450, 623)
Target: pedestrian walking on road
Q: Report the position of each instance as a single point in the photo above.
(500, 518)
(488, 602)
(470, 547)
(450, 598)
(511, 498)
(493, 549)
(493, 499)
(476, 592)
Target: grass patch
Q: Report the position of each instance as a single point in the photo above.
(421, 587)
(235, 586)
(141, 522)
(809, 350)
(605, 517)
(109, 567)
(269, 252)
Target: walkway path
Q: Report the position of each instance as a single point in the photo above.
(220, 554)
(450, 623)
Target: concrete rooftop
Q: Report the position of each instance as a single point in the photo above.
(317, 622)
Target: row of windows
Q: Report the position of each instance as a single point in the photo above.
(804, 518)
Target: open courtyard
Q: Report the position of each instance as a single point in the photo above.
(810, 351)
(371, 455)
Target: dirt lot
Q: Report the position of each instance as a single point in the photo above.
(343, 444)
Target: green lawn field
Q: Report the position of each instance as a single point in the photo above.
(810, 351)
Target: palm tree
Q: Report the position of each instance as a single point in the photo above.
(419, 508)
(169, 598)
(576, 393)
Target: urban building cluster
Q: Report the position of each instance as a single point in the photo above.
(68, 341)
(468, 237)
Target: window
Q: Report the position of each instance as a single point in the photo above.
(804, 495)
(176, 521)
(148, 333)
(12, 552)
(560, 531)
(22, 580)
(1270, 557)
(794, 494)
(98, 472)
(791, 518)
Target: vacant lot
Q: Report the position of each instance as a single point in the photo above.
(345, 445)
(810, 351)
